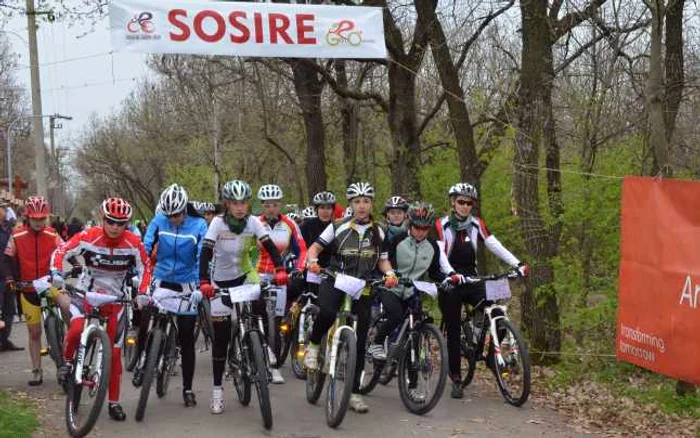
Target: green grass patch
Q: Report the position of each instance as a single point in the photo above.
(17, 416)
(627, 380)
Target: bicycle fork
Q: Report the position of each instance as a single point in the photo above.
(90, 326)
(494, 332)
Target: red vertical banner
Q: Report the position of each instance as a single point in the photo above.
(658, 320)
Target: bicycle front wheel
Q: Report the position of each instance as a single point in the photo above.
(513, 372)
(84, 401)
(316, 378)
(149, 371)
(343, 378)
(168, 364)
(237, 370)
(297, 346)
(423, 369)
(259, 371)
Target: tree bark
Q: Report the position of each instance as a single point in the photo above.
(539, 303)
(308, 87)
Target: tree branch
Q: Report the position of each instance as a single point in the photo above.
(573, 19)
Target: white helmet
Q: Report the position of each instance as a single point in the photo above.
(293, 216)
(270, 192)
(308, 213)
(359, 189)
(324, 198)
(236, 190)
(348, 212)
(173, 200)
(463, 189)
(204, 207)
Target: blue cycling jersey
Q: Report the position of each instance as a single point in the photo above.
(178, 248)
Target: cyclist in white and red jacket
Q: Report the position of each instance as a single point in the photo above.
(286, 236)
(109, 251)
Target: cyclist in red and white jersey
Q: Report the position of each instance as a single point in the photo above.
(109, 251)
(286, 236)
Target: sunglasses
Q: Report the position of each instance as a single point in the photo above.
(465, 202)
(116, 223)
(176, 215)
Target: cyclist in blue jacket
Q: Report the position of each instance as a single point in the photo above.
(173, 241)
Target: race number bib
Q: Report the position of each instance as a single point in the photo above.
(498, 290)
(350, 285)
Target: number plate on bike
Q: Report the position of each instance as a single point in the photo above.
(312, 278)
(247, 292)
(281, 300)
(97, 299)
(498, 290)
(350, 285)
(426, 287)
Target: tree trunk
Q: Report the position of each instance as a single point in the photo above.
(540, 308)
(349, 112)
(449, 77)
(655, 91)
(308, 87)
(403, 126)
(674, 65)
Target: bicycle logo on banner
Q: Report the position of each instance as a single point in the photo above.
(343, 33)
(141, 23)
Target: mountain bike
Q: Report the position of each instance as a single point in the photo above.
(248, 362)
(54, 323)
(338, 352)
(301, 316)
(162, 349)
(89, 380)
(491, 337)
(418, 351)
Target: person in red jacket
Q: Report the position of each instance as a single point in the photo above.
(109, 251)
(29, 252)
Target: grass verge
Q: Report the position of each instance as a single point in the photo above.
(17, 415)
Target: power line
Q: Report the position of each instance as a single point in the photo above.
(63, 61)
(93, 84)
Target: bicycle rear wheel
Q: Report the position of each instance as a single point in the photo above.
(468, 352)
(373, 370)
(237, 368)
(422, 375)
(168, 363)
(513, 375)
(259, 371)
(315, 379)
(153, 355)
(54, 337)
(343, 378)
(84, 401)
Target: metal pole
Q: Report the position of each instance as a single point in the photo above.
(37, 123)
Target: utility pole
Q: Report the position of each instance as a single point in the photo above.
(37, 123)
(55, 169)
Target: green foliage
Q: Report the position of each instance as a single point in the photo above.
(198, 179)
(17, 416)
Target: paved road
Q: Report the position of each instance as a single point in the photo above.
(481, 413)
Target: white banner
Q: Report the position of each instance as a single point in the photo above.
(247, 29)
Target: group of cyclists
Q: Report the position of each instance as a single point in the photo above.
(191, 248)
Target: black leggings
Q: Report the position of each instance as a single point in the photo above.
(394, 310)
(330, 301)
(222, 336)
(451, 308)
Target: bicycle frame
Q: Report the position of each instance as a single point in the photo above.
(336, 330)
(302, 316)
(93, 322)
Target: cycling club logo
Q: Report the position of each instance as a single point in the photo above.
(344, 32)
(141, 27)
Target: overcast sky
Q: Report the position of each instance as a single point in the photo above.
(76, 87)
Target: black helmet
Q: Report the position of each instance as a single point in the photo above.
(396, 202)
(421, 214)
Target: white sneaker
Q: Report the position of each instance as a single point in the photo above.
(218, 403)
(311, 357)
(271, 356)
(377, 351)
(357, 404)
(277, 376)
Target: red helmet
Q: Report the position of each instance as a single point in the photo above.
(37, 207)
(116, 209)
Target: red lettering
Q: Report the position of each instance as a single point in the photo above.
(184, 29)
(245, 33)
(303, 29)
(220, 26)
(278, 26)
(259, 32)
